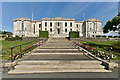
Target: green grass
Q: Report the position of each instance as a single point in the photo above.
(110, 43)
(7, 44)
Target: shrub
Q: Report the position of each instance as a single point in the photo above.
(74, 34)
(43, 34)
(13, 38)
(116, 44)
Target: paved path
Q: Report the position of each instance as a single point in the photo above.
(56, 56)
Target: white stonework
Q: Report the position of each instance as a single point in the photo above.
(57, 27)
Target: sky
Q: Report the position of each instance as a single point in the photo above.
(100, 10)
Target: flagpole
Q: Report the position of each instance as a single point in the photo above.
(84, 17)
(32, 15)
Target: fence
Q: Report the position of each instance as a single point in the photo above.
(20, 49)
(107, 48)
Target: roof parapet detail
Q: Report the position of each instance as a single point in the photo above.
(93, 20)
(58, 19)
(22, 19)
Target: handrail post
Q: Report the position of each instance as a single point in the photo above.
(20, 51)
(11, 54)
(109, 53)
(97, 50)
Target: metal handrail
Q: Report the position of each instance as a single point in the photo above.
(20, 50)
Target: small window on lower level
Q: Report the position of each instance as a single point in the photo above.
(70, 29)
(65, 30)
(45, 29)
(50, 29)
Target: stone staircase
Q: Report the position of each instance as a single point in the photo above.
(57, 55)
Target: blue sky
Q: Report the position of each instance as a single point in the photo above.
(101, 10)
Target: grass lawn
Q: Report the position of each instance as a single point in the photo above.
(7, 44)
(110, 43)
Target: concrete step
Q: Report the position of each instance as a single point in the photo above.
(59, 66)
(57, 47)
(57, 42)
(53, 62)
(53, 56)
(55, 71)
(74, 49)
(56, 51)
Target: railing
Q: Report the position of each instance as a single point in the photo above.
(11, 48)
(108, 48)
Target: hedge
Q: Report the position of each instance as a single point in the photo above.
(17, 38)
(43, 34)
(74, 34)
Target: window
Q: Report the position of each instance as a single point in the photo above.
(50, 23)
(39, 25)
(58, 24)
(25, 29)
(45, 29)
(45, 23)
(22, 25)
(34, 28)
(65, 24)
(50, 29)
(65, 30)
(70, 24)
(70, 29)
(76, 25)
(90, 29)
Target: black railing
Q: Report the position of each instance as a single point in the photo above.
(11, 48)
(107, 48)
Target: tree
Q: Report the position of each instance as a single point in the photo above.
(112, 24)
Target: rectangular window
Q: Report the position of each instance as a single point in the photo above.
(50, 29)
(65, 30)
(45, 29)
(45, 23)
(50, 24)
(22, 25)
(76, 25)
(39, 25)
(34, 28)
(58, 24)
(65, 24)
(70, 29)
(70, 24)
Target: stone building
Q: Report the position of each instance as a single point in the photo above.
(57, 27)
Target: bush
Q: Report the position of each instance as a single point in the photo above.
(116, 45)
(13, 38)
(43, 34)
(74, 34)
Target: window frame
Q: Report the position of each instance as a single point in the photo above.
(50, 24)
(65, 24)
(45, 24)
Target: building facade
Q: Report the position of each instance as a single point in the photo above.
(57, 27)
